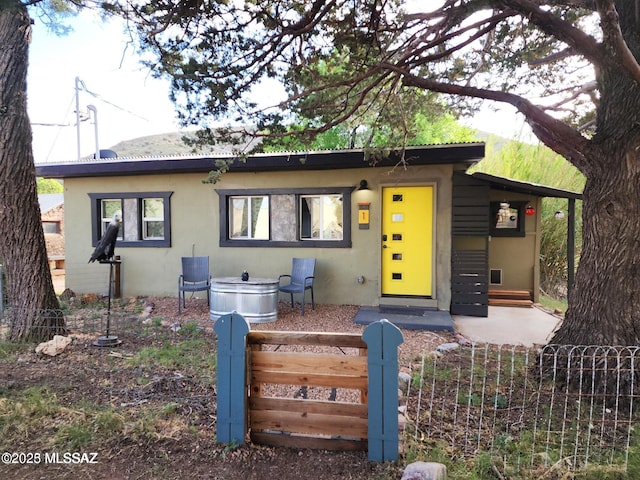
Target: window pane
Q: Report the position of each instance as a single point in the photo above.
(249, 217)
(153, 230)
(152, 219)
(154, 208)
(321, 217)
(109, 209)
(51, 227)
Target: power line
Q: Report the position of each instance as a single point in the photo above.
(102, 99)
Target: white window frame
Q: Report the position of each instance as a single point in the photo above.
(250, 199)
(146, 220)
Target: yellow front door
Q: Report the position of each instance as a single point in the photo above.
(407, 238)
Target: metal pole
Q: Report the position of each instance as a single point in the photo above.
(78, 114)
(108, 340)
(95, 118)
(109, 300)
(571, 247)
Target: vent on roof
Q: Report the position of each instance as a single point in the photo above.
(107, 154)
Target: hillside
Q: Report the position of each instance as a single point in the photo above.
(164, 144)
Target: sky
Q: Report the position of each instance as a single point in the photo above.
(129, 103)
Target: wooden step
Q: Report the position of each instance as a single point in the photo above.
(514, 294)
(509, 302)
(510, 298)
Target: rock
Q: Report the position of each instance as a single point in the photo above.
(67, 294)
(147, 311)
(55, 346)
(447, 347)
(425, 471)
(404, 379)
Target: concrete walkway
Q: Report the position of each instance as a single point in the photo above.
(509, 326)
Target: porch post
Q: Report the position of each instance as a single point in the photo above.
(571, 248)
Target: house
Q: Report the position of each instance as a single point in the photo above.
(52, 217)
(382, 232)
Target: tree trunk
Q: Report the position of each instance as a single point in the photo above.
(34, 308)
(604, 308)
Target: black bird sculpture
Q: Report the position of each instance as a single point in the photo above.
(106, 246)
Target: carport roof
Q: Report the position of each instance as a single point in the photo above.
(507, 184)
(464, 154)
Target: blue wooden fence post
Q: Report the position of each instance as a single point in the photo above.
(232, 330)
(382, 339)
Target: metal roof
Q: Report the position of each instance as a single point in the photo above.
(508, 184)
(465, 154)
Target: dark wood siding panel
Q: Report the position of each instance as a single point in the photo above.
(469, 283)
(470, 206)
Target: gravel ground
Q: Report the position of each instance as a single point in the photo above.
(325, 318)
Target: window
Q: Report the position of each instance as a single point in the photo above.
(51, 226)
(249, 217)
(152, 219)
(507, 219)
(321, 217)
(310, 217)
(109, 207)
(146, 217)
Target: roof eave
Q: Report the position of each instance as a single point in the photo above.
(508, 184)
(465, 154)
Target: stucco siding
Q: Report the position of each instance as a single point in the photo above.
(195, 228)
(516, 256)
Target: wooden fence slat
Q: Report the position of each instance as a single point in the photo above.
(301, 441)
(310, 423)
(382, 340)
(304, 407)
(288, 362)
(309, 379)
(231, 330)
(301, 338)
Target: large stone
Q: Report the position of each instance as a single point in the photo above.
(404, 379)
(55, 346)
(425, 471)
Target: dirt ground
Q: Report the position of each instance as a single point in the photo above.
(88, 374)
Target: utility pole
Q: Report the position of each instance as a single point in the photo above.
(78, 114)
(93, 109)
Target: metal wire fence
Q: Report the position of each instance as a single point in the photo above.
(557, 407)
(100, 322)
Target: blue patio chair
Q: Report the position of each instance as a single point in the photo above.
(300, 280)
(195, 277)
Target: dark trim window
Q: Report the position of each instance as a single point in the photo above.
(309, 217)
(146, 217)
(507, 219)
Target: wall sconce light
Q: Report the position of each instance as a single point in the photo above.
(529, 210)
(559, 215)
(363, 185)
